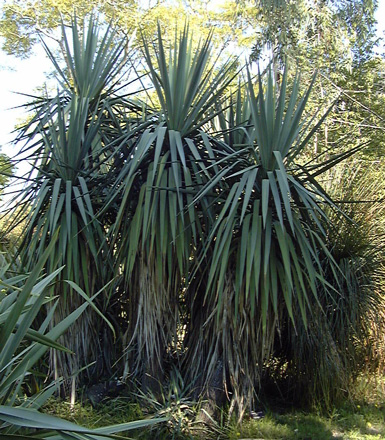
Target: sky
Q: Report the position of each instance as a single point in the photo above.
(23, 76)
(17, 77)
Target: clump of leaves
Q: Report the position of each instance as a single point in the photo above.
(175, 403)
(321, 362)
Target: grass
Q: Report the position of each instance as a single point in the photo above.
(111, 412)
(349, 422)
(361, 417)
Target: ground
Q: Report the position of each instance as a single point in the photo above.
(360, 417)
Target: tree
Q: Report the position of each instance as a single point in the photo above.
(338, 38)
(324, 34)
(67, 140)
(22, 23)
(199, 216)
(163, 200)
(6, 170)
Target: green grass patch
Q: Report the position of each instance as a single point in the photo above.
(348, 422)
(111, 412)
(362, 417)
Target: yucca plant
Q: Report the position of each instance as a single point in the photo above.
(356, 241)
(347, 338)
(23, 345)
(156, 229)
(175, 403)
(201, 208)
(265, 251)
(68, 141)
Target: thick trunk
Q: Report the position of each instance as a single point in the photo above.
(213, 395)
(152, 323)
(226, 354)
(82, 338)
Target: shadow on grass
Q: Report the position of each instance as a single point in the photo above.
(295, 426)
(350, 422)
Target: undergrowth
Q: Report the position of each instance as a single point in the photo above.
(360, 417)
(111, 412)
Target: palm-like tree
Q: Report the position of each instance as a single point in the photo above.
(264, 251)
(157, 230)
(199, 207)
(67, 140)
